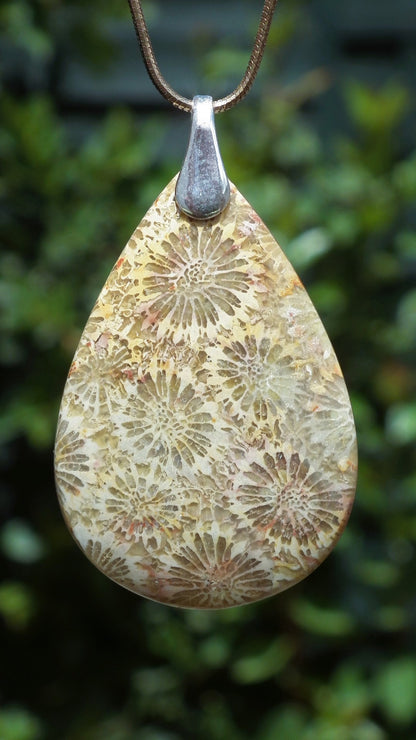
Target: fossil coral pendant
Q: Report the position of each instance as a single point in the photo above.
(206, 452)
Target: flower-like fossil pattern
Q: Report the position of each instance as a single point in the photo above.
(196, 283)
(291, 503)
(98, 376)
(205, 454)
(108, 560)
(210, 571)
(140, 509)
(255, 376)
(167, 419)
(71, 460)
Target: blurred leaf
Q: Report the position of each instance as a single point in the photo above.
(343, 703)
(406, 313)
(268, 195)
(327, 297)
(151, 733)
(17, 20)
(215, 651)
(216, 720)
(225, 62)
(406, 244)
(321, 621)
(158, 692)
(348, 183)
(299, 146)
(18, 724)
(28, 123)
(343, 226)
(16, 604)
(401, 423)
(378, 574)
(172, 641)
(404, 177)
(370, 435)
(379, 110)
(396, 689)
(285, 722)
(394, 381)
(20, 542)
(263, 664)
(308, 247)
(281, 33)
(34, 417)
(391, 618)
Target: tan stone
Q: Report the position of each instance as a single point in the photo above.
(206, 453)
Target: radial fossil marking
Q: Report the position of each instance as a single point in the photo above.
(254, 375)
(325, 421)
(332, 417)
(196, 282)
(140, 508)
(98, 376)
(107, 557)
(289, 501)
(205, 455)
(168, 420)
(210, 571)
(71, 460)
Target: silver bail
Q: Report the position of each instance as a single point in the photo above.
(202, 188)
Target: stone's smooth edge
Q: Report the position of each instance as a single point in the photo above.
(206, 452)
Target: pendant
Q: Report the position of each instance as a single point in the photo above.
(205, 453)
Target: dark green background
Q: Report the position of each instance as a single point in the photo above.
(324, 149)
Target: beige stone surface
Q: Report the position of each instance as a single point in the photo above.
(206, 451)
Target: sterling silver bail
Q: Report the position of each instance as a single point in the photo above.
(202, 188)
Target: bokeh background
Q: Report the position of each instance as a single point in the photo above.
(324, 149)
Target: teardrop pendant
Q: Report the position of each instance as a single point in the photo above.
(206, 452)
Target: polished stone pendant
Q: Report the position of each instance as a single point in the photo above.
(205, 453)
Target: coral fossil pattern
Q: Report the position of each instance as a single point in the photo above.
(205, 454)
(210, 570)
(97, 375)
(307, 508)
(254, 375)
(169, 420)
(71, 461)
(147, 512)
(197, 282)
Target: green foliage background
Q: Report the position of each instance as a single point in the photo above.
(333, 658)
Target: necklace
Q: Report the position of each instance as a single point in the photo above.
(205, 453)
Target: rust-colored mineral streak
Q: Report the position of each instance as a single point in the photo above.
(206, 453)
